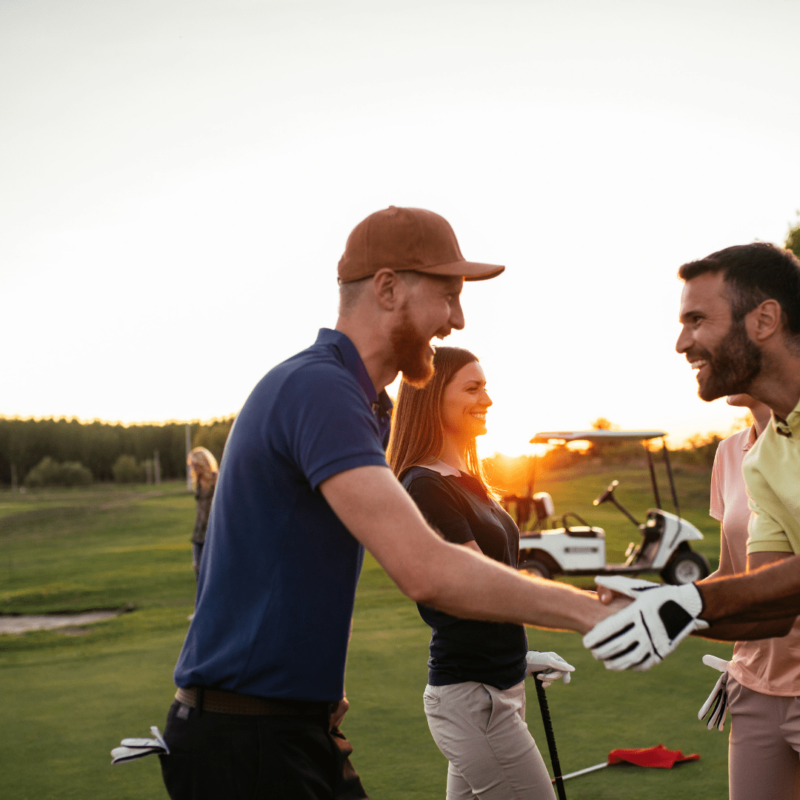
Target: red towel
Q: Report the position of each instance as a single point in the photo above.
(657, 756)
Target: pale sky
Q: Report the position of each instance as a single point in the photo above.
(178, 179)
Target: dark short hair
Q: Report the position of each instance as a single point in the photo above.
(754, 273)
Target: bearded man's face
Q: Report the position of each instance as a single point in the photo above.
(717, 346)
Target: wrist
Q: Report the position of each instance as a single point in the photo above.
(695, 603)
(704, 611)
(596, 612)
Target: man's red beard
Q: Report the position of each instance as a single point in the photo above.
(412, 352)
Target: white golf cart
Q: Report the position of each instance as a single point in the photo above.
(547, 550)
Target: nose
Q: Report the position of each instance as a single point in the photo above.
(456, 315)
(684, 341)
(487, 401)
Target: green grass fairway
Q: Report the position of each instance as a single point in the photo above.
(69, 696)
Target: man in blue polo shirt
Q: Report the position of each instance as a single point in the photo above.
(303, 487)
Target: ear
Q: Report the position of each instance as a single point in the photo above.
(388, 288)
(764, 321)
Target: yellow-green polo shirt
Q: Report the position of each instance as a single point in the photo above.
(772, 473)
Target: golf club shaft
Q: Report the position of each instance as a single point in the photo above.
(551, 739)
(584, 771)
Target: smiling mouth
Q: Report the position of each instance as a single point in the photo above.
(698, 363)
(479, 415)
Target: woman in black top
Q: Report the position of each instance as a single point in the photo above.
(475, 698)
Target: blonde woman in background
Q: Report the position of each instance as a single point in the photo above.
(204, 471)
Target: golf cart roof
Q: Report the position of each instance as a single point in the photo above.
(546, 437)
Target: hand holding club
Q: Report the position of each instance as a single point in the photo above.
(549, 667)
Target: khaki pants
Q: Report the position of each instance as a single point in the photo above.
(482, 732)
(764, 748)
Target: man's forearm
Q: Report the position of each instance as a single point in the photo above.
(725, 631)
(769, 593)
(475, 587)
(454, 579)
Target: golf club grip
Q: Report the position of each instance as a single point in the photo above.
(551, 739)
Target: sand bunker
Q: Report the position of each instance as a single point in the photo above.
(24, 623)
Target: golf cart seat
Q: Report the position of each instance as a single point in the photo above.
(647, 549)
(545, 512)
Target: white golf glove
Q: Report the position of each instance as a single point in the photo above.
(139, 748)
(550, 667)
(717, 704)
(650, 628)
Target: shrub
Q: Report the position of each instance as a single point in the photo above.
(126, 470)
(50, 473)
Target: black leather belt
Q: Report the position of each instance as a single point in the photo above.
(220, 702)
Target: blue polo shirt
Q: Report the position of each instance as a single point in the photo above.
(279, 570)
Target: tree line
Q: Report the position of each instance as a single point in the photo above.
(96, 446)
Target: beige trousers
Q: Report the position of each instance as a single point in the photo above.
(482, 733)
(764, 748)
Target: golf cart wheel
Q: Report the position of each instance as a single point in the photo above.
(685, 567)
(536, 568)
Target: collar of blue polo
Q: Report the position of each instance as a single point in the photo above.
(381, 404)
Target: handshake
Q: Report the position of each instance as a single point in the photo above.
(647, 630)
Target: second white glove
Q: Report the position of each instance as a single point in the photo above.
(550, 667)
(134, 748)
(716, 706)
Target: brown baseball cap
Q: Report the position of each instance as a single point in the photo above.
(407, 239)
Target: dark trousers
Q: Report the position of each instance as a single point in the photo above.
(230, 756)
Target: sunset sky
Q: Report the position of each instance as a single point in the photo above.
(178, 180)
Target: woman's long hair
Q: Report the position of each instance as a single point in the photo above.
(203, 466)
(417, 429)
